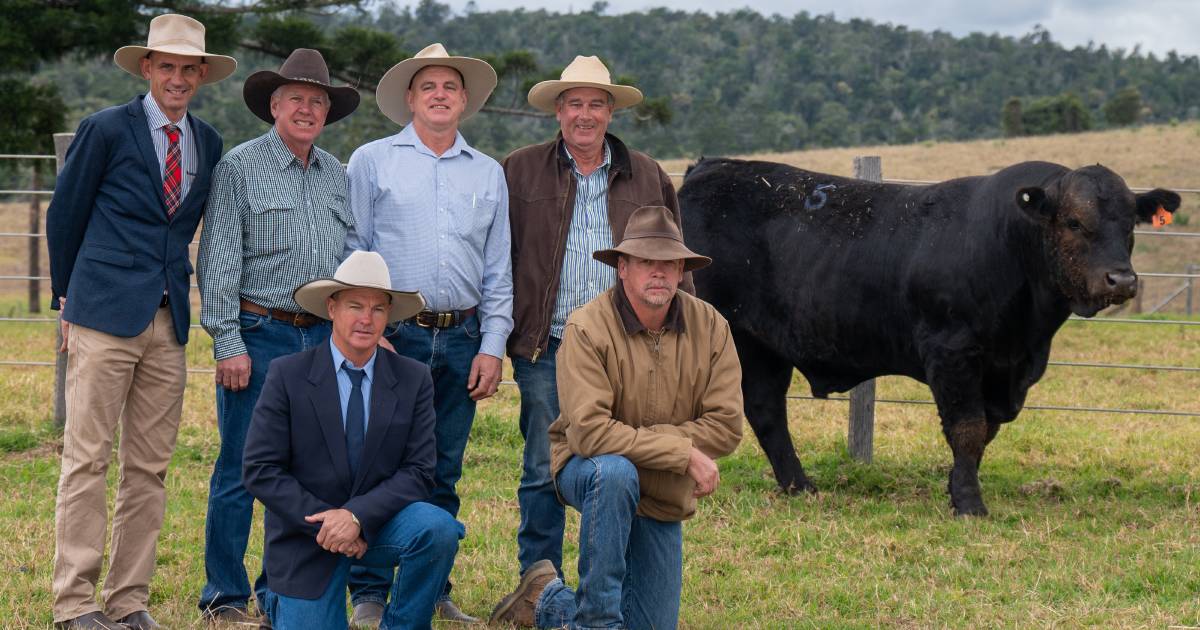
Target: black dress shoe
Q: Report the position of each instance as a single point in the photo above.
(91, 621)
(140, 620)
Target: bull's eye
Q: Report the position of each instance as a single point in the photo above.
(1074, 225)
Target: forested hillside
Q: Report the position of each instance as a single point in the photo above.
(734, 83)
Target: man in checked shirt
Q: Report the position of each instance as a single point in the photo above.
(276, 219)
(437, 210)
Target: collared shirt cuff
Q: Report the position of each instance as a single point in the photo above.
(229, 345)
(493, 344)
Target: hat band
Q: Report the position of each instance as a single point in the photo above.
(668, 235)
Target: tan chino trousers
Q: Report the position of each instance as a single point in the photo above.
(136, 382)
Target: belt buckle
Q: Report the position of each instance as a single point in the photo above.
(296, 320)
(421, 321)
(445, 319)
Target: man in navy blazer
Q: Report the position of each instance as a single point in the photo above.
(341, 452)
(125, 207)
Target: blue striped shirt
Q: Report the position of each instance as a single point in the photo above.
(584, 277)
(156, 119)
(440, 223)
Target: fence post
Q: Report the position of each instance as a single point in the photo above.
(861, 439)
(1191, 283)
(61, 142)
(35, 244)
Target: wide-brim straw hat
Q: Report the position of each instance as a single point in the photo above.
(652, 234)
(479, 79)
(583, 72)
(177, 35)
(360, 270)
(306, 66)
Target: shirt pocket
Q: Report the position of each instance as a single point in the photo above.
(270, 229)
(473, 214)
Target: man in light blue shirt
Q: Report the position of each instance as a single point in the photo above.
(437, 211)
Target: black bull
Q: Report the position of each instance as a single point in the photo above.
(960, 285)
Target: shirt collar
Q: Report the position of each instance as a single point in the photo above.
(629, 319)
(603, 165)
(408, 137)
(157, 119)
(339, 359)
(284, 156)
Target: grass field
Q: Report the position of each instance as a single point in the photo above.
(1095, 519)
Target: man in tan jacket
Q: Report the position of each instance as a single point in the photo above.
(650, 393)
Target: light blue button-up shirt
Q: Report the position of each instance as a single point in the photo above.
(156, 119)
(584, 277)
(345, 386)
(440, 223)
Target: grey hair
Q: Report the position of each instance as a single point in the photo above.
(558, 100)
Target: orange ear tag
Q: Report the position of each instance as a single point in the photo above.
(1161, 218)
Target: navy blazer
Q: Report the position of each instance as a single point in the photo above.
(112, 249)
(295, 459)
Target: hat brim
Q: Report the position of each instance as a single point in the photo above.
(543, 95)
(257, 90)
(312, 297)
(129, 59)
(478, 76)
(653, 248)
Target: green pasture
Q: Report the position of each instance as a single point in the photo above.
(1094, 516)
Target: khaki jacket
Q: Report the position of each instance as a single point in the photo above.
(541, 201)
(626, 391)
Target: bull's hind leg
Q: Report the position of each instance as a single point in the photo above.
(765, 380)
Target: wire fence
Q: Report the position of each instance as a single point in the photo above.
(1189, 278)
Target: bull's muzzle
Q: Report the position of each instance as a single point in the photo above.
(1121, 283)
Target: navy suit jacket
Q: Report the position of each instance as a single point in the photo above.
(112, 248)
(295, 459)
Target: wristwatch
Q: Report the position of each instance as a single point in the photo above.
(355, 519)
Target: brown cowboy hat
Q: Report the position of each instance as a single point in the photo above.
(177, 35)
(304, 65)
(652, 234)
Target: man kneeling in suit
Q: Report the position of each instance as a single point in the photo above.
(341, 452)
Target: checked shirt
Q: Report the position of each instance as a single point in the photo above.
(270, 226)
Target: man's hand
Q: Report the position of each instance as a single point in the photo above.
(357, 549)
(339, 533)
(63, 324)
(234, 373)
(484, 377)
(704, 471)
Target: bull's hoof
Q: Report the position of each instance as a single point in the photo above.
(966, 501)
(979, 509)
(802, 485)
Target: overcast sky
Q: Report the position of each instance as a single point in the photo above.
(1158, 25)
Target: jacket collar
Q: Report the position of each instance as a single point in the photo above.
(621, 165)
(629, 318)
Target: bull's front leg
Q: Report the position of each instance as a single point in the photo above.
(955, 379)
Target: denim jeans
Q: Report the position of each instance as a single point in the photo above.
(630, 566)
(448, 352)
(230, 507)
(540, 534)
(422, 540)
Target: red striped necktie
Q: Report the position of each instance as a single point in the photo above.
(172, 175)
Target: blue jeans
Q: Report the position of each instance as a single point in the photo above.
(540, 534)
(230, 507)
(421, 540)
(448, 352)
(630, 566)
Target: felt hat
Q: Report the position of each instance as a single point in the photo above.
(652, 234)
(177, 35)
(304, 65)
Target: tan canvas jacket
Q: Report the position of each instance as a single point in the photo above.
(624, 390)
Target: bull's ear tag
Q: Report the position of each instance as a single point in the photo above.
(1161, 217)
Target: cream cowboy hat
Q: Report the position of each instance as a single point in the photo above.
(478, 76)
(583, 72)
(360, 270)
(177, 35)
(652, 234)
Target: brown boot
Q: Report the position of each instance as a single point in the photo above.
(517, 608)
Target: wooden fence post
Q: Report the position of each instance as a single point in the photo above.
(861, 439)
(61, 142)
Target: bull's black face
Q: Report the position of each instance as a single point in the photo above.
(1088, 217)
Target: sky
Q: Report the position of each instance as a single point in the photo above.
(1157, 25)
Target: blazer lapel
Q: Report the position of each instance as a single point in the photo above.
(327, 406)
(141, 134)
(383, 408)
(203, 169)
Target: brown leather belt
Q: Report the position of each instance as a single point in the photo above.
(443, 319)
(299, 320)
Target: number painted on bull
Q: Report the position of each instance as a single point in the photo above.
(817, 199)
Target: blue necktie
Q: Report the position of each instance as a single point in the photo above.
(355, 419)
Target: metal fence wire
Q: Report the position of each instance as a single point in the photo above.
(1189, 278)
